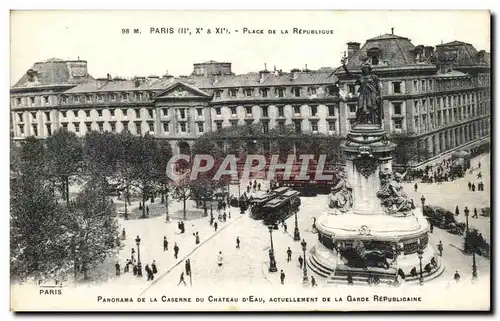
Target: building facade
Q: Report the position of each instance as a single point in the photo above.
(438, 96)
(179, 109)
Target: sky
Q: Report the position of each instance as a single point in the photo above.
(98, 38)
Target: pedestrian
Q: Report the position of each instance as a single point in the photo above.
(248, 189)
(475, 213)
(147, 210)
(182, 227)
(456, 277)
(229, 215)
(224, 217)
(219, 259)
(215, 226)
(181, 280)
(134, 270)
(224, 205)
(197, 238)
(313, 282)
(282, 277)
(473, 187)
(188, 267)
(237, 242)
(431, 227)
(165, 244)
(466, 211)
(140, 206)
(117, 267)
(123, 234)
(149, 273)
(301, 260)
(457, 211)
(153, 267)
(125, 269)
(440, 248)
(176, 250)
(479, 165)
(258, 187)
(288, 255)
(349, 279)
(469, 185)
(415, 187)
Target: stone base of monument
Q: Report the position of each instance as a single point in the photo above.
(333, 269)
(382, 233)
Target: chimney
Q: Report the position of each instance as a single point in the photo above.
(392, 31)
(101, 82)
(263, 74)
(295, 73)
(428, 51)
(108, 76)
(352, 49)
(139, 81)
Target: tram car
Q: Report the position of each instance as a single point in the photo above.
(281, 207)
(257, 202)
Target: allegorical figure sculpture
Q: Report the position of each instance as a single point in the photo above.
(340, 197)
(393, 198)
(369, 97)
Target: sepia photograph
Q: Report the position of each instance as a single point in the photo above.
(300, 160)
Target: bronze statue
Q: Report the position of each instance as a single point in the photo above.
(393, 198)
(340, 197)
(369, 99)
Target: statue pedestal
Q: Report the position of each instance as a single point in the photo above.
(392, 239)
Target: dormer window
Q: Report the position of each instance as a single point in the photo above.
(248, 93)
(233, 92)
(217, 93)
(296, 91)
(374, 55)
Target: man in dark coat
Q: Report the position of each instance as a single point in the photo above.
(237, 242)
(282, 277)
(117, 267)
(176, 250)
(440, 248)
(288, 255)
(165, 244)
(456, 277)
(188, 267)
(215, 226)
(301, 261)
(181, 280)
(475, 213)
(153, 267)
(457, 211)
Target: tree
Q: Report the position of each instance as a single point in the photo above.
(35, 233)
(182, 192)
(91, 229)
(64, 158)
(408, 150)
(162, 157)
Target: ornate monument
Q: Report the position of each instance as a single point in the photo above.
(370, 231)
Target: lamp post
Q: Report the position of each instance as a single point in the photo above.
(474, 267)
(420, 253)
(296, 233)
(272, 261)
(466, 212)
(139, 268)
(422, 199)
(132, 251)
(305, 279)
(166, 207)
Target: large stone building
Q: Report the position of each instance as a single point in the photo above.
(438, 96)
(175, 108)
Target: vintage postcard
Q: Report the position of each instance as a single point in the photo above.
(250, 161)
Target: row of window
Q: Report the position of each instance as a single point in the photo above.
(182, 127)
(64, 114)
(313, 110)
(265, 92)
(280, 124)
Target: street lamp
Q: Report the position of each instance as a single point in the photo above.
(466, 212)
(474, 267)
(272, 261)
(422, 199)
(132, 251)
(305, 279)
(420, 253)
(139, 268)
(296, 233)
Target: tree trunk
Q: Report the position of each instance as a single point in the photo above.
(184, 204)
(66, 183)
(128, 195)
(143, 203)
(166, 207)
(205, 209)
